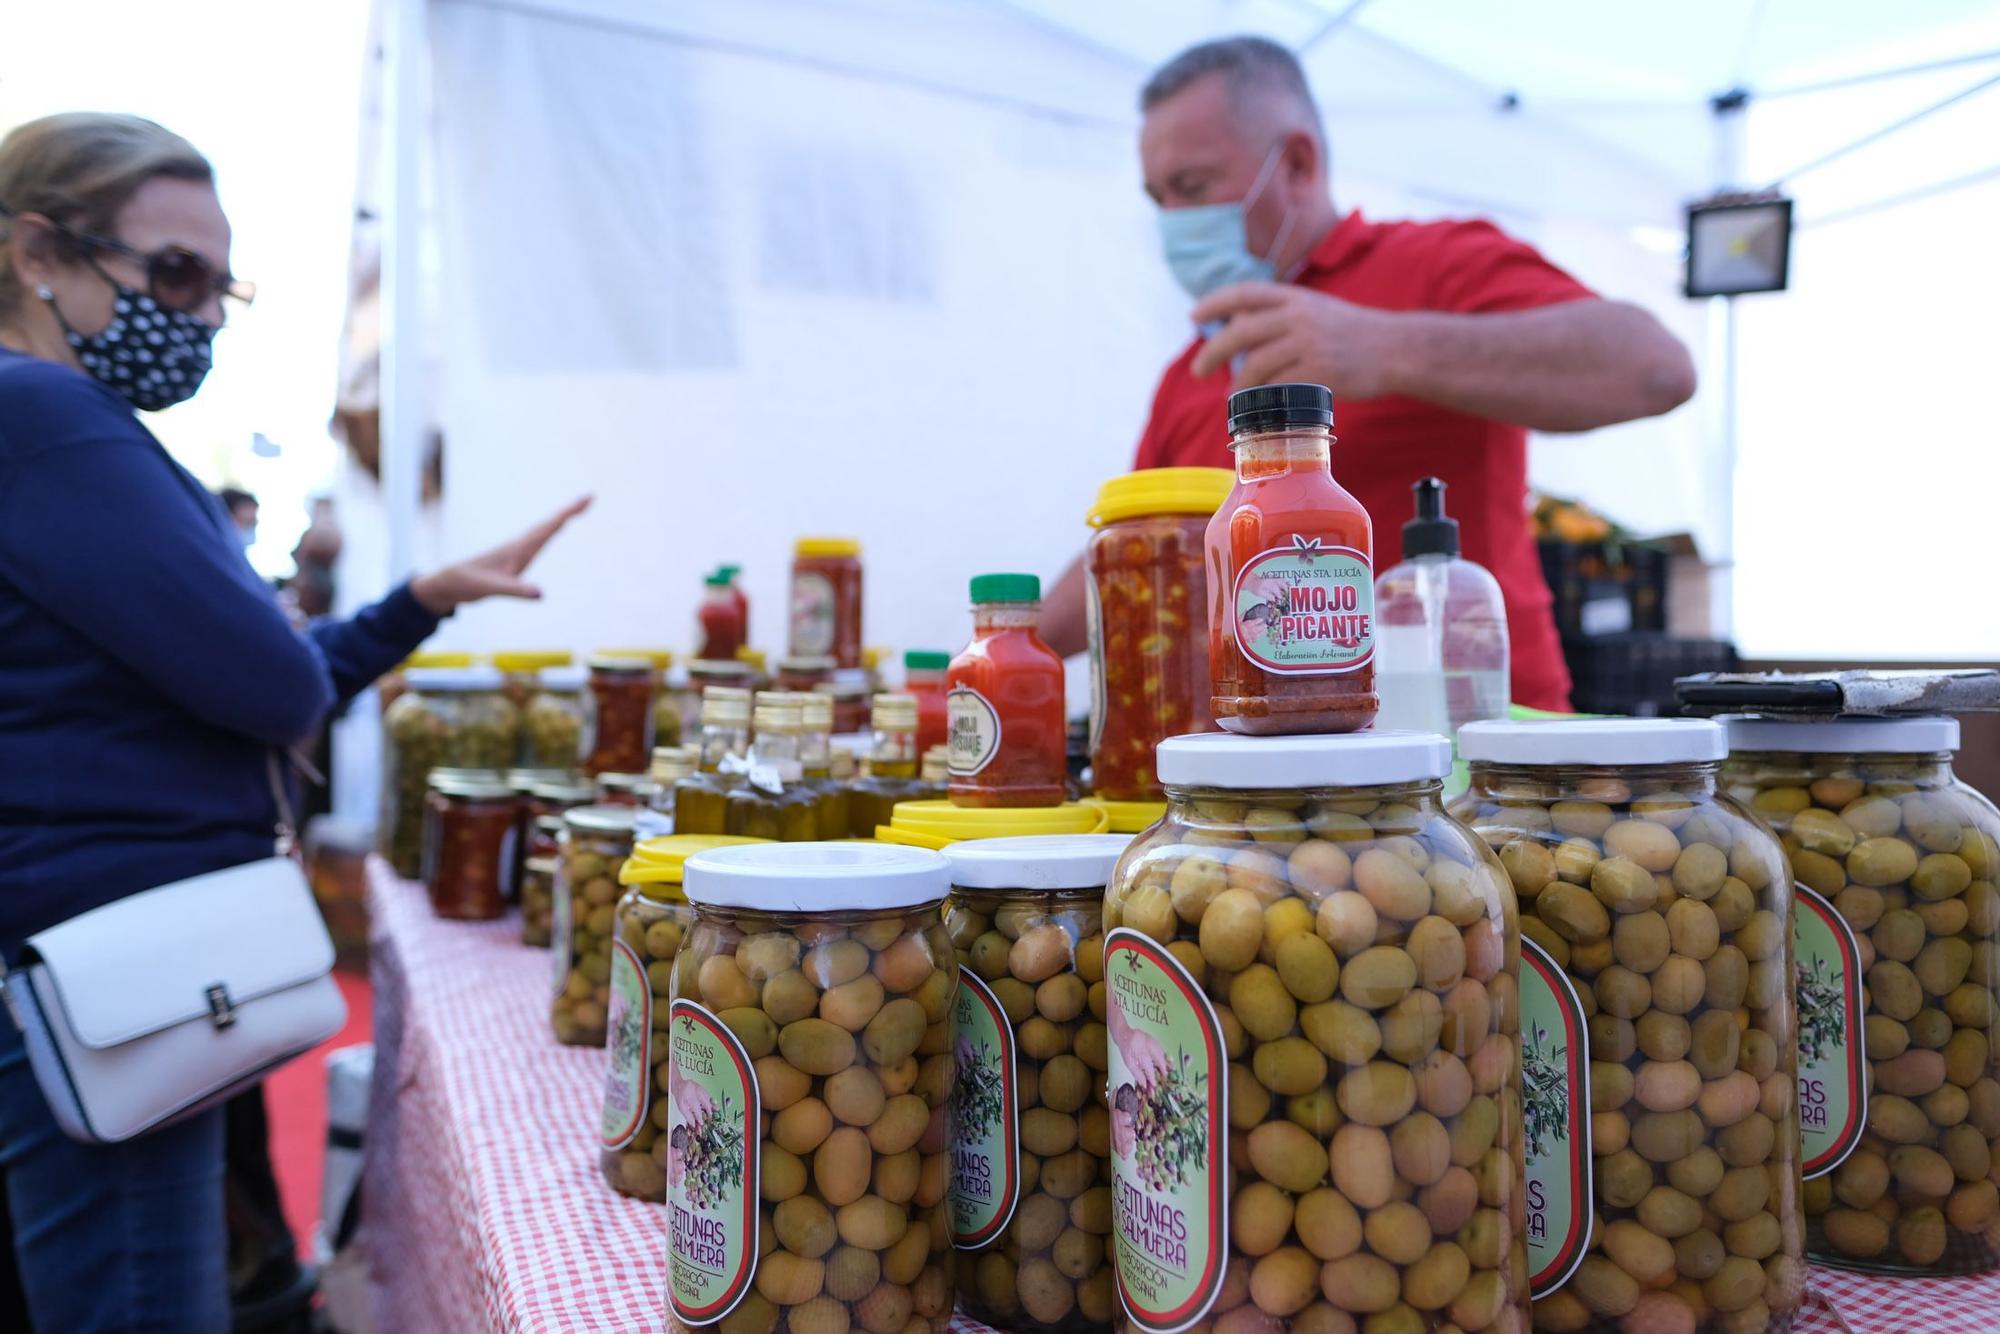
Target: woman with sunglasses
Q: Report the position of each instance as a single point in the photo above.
(146, 674)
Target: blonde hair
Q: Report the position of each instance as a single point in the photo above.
(79, 168)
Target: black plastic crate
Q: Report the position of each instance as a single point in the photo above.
(1634, 673)
(1605, 588)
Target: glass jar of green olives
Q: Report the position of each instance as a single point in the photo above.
(1310, 1036)
(557, 720)
(1662, 910)
(1898, 935)
(446, 718)
(1031, 1124)
(809, 1074)
(538, 891)
(590, 856)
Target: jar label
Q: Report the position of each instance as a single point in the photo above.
(974, 736)
(1306, 609)
(1099, 692)
(1833, 1082)
(562, 929)
(713, 1118)
(630, 1074)
(812, 615)
(985, 1117)
(1555, 1119)
(1169, 1084)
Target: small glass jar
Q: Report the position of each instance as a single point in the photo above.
(811, 1067)
(391, 685)
(622, 686)
(1148, 621)
(1898, 935)
(556, 721)
(1312, 1023)
(538, 894)
(826, 600)
(592, 849)
(851, 705)
(626, 789)
(1027, 918)
(670, 765)
(469, 843)
(1660, 910)
(446, 718)
(540, 797)
(804, 673)
(733, 674)
(521, 669)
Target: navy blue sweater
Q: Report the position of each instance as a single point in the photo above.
(145, 671)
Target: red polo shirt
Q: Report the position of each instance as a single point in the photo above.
(1386, 444)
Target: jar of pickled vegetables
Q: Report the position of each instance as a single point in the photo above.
(469, 843)
(826, 600)
(1897, 928)
(622, 687)
(538, 890)
(1311, 1034)
(851, 703)
(520, 671)
(652, 920)
(1031, 1122)
(1148, 620)
(446, 718)
(591, 853)
(810, 1077)
(556, 721)
(1656, 992)
(544, 796)
(804, 673)
(627, 789)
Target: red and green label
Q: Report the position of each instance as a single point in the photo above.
(1169, 1136)
(1833, 1084)
(713, 1124)
(985, 1118)
(1555, 1120)
(629, 1076)
(1306, 609)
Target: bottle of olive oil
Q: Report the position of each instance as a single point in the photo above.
(816, 758)
(701, 800)
(892, 767)
(774, 801)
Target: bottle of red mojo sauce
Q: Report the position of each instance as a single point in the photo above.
(1291, 575)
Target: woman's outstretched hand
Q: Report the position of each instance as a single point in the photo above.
(497, 573)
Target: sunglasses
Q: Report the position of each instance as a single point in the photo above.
(176, 277)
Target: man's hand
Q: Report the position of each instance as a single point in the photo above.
(495, 574)
(1294, 333)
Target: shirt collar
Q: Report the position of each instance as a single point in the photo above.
(1336, 247)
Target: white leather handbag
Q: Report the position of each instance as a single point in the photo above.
(151, 1008)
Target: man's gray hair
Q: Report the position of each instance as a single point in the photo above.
(1248, 65)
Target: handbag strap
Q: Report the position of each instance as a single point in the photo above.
(285, 831)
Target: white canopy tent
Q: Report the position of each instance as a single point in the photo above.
(883, 268)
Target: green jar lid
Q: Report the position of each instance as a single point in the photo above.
(926, 660)
(1006, 588)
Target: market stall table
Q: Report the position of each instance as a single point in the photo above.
(483, 1201)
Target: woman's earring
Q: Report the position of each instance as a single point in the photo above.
(44, 293)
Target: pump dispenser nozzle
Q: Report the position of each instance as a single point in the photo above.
(1432, 532)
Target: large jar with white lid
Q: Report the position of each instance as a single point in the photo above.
(1310, 1030)
(1031, 1120)
(1656, 993)
(809, 1079)
(1898, 938)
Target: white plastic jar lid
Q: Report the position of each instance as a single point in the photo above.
(1610, 742)
(452, 678)
(817, 878)
(563, 678)
(1357, 759)
(1853, 736)
(1036, 861)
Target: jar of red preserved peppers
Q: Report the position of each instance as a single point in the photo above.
(1005, 702)
(622, 685)
(1291, 575)
(826, 600)
(470, 843)
(1148, 621)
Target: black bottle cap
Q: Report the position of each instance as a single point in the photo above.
(1432, 532)
(1276, 407)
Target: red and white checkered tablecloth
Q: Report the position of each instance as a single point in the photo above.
(483, 1202)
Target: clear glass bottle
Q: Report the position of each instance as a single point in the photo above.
(773, 800)
(670, 765)
(1898, 935)
(816, 761)
(701, 800)
(892, 768)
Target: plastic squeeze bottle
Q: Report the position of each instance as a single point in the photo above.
(1440, 629)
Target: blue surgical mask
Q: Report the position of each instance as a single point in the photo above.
(1206, 248)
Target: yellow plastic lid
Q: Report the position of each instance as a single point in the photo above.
(434, 659)
(1129, 817)
(532, 660)
(660, 658)
(657, 862)
(1161, 491)
(810, 547)
(752, 658)
(939, 824)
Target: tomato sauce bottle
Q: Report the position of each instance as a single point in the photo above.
(1004, 702)
(1291, 577)
(923, 679)
(723, 623)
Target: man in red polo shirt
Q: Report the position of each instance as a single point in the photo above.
(1443, 342)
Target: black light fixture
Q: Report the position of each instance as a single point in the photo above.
(1738, 244)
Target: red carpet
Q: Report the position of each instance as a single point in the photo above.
(296, 1096)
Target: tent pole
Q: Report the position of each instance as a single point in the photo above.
(1730, 128)
(404, 414)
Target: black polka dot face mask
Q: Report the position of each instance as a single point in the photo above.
(151, 356)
